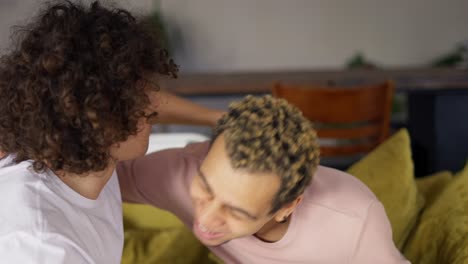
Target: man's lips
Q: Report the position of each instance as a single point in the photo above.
(205, 234)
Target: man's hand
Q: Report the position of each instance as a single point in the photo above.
(2, 154)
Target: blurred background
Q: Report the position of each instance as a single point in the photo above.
(263, 35)
(227, 49)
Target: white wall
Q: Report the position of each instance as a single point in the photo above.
(225, 35)
(17, 12)
(240, 35)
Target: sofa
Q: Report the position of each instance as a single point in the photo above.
(429, 215)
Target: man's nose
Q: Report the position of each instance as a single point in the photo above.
(211, 216)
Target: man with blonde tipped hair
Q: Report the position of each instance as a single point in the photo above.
(256, 194)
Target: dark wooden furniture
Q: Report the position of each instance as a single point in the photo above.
(356, 119)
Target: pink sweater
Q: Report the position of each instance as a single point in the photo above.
(339, 220)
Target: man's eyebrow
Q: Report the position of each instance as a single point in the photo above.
(205, 182)
(235, 208)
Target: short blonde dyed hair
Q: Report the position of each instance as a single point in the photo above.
(267, 134)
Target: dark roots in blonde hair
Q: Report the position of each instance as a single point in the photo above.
(74, 85)
(266, 134)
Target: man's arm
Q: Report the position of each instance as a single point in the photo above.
(376, 244)
(160, 177)
(176, 110)
(2, 154)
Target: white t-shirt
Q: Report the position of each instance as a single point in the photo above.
(42, 220)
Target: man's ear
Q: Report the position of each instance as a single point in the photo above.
(283, 213)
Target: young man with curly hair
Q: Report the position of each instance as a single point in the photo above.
(256, 194)
(75, 99)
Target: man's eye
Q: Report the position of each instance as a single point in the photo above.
(237, 215)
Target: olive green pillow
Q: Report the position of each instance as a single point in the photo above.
(168, 245)
(388, 172)
(431, 186)
(153, 235)
(142, 216)
(442, 233)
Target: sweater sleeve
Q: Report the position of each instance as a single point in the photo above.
(375, 244)
(159, 177)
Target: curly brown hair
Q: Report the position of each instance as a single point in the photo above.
(266, 134)
(74, 85)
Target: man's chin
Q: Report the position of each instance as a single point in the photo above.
(212, 243)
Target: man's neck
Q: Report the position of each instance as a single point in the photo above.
(273, 231)
(88, 185)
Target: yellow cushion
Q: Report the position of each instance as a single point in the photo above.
(442, 233)
(144, 216)
(156, 236)
(176, 245)
(431, 186)
(388, 172)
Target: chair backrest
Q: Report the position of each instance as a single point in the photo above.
(353, 119)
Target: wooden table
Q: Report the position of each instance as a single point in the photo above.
(197, 84)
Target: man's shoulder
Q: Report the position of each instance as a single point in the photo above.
(26, 197)
(197, 151)
(340, 192)
(19, 193)
(17, 179)
(179, 159)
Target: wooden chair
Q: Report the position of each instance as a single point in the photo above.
(348, 120)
